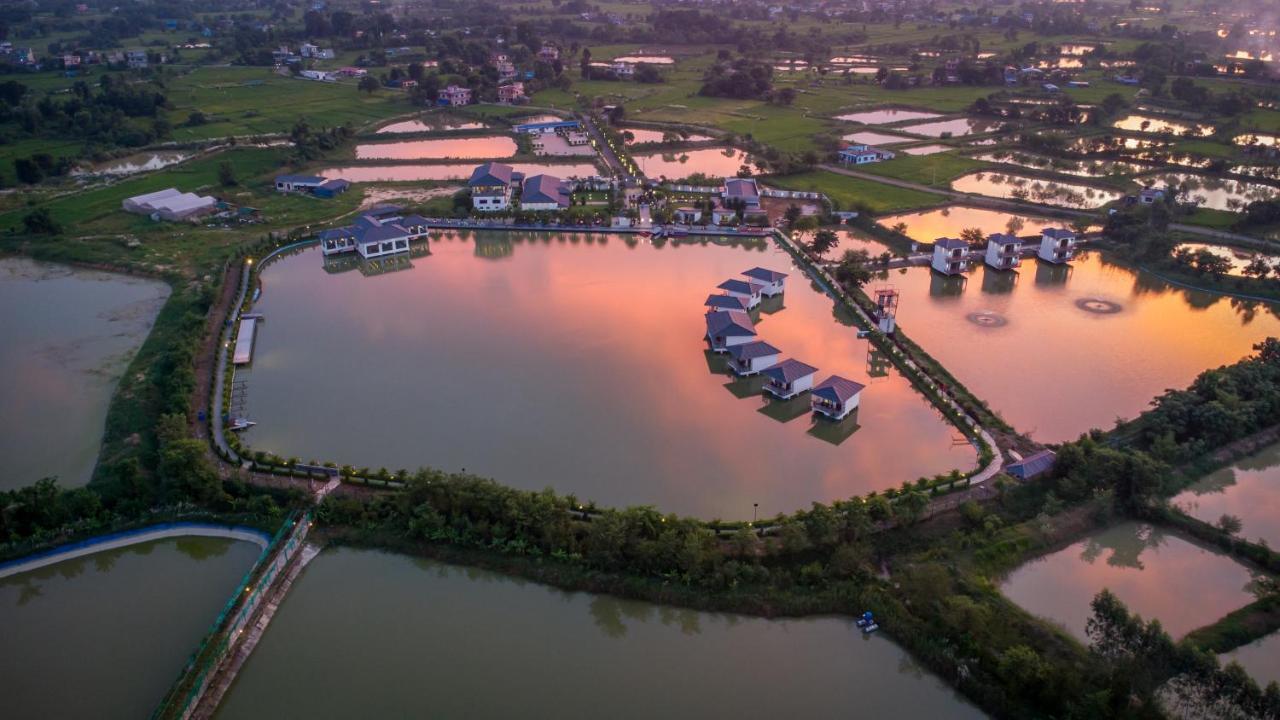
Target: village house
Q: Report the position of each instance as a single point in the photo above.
(315, 52)
(1057, 245)
(721, 215)
(623, 70)
(772, 281)
(747, 291)
(544, 192)
(549, 53)
(687, 215)
(863, 154)
(728, 328)
(1003, 251)
(1149, 195)
(331, 188)
(490, 187)
(293, 183)
(136, 58)
(752, 357)
(789, 378)
(950, 256)
(319, 75)
(511, 93)
(376, 233)
(70, 61)
(1032, 465)
(455, 96)
(836, 397)
(716, 303)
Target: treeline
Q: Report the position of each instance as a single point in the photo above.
(115, 112)
(744, 79)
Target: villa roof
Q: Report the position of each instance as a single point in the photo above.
(790, 370)
(744, 188)
(336, 184)
(759, 273)
(300, 179)
(753, 350)
(1003, 239)
(1057, 233)
(544, 189)
(730, 323)
(950, 243)
(837, 389)
(740, 286)
(491, 173)
(726, 302)
(1032, 465)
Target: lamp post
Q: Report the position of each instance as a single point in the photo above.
(754, 508)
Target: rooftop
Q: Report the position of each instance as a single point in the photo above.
(730, 323)
(1057, 233)
(740, 286)
(950, 243)
(491, 173)
(759, 273)
(790, 370)
(752, 350)
(837, 389)
(726, 302)
(1003, 239)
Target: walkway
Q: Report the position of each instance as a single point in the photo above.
(610, 158)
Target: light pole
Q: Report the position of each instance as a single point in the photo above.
(754, 508)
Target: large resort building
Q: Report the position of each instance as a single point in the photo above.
(491, 186)
(377, 233)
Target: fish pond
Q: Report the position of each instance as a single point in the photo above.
(646, 59)
(450, 171)
(954, 127)
(561, 654)
(1155, 573)
(468, 148)
(1260, 658)
(1035, 189)
(578, 363)
(104, 635)
(431, 123)
(1239, 259)
(887, 115)
(1212, 192)
(711, 162)
(134, 164)
(649, 135)
(870, 137)
(1248, 491)
(926, 149)
(68, 336)
(1151, 124)
(1081, 168)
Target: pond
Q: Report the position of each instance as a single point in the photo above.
(856, 60)
(1033, 189)
(954, 127)
(712, 162)
(104, 636)
(1249, 491)
(1149, 124)
(577, 363)
(926, 149)
(649, 135)
(562, 654)
(886, 115)
(431, 123)
(134, 164)
(871, 70)
(1260, 658)
(69, 335)
(870, 137)
(927, 225)
(646, 59)
(1076, 49)
(1155, 573)
(1081, 168)
(1214, 193)
(1054, 321)
(406, 173)
(1063, 63)
(468, 148)
(1257, 139)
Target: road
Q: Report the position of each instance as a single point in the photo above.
(611, 159)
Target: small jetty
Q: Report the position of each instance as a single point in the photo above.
(244, 340)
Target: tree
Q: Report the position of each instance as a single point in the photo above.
(27, 171)
(227, 174)
(854, 269)
(973, 236)
(911, 506)
(792, 213)
(585, 64)
(369, 84)
(40, 222)
(824, 241)
(1230, 524)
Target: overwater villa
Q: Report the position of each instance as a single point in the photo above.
(728, 328)
(752, 357)
(772, 280)
(1003, 251)
(1057, 245)
(836, 397)
(950, 256)
(789, 378)
(748, 291)
(717, 303)
(377, 233)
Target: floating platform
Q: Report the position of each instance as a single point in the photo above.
(244, 341)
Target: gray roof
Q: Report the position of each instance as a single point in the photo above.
(730, 323)
(1057, 233)
(544, 189)
(753, 350)
(335, 184)
(727, 302)
(759, 273)
(300, 179)
(1032, 465)
(741, 286)
(1002, 239)
(837, 389)
(491, 173)
(950, 243)
(744, 188)
(790, 370)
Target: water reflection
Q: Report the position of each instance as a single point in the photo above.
(1248, 491)
(711, 162)
(1020, 187)
(468, 148)
(886, 115)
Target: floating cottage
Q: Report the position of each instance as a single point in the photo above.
(725, 302)
(753, 357)
(789, 378)
(836, 397)
(728, 328)
(1057, 245)
(1003, 251)
(950, 256)
(747, 291)
(772, 280)
(375, 234)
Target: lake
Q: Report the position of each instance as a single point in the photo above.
(468, 148)
(1249, 490)
(1034, 189)
(649, 135)
(1214, 193)
(432, 640)
(712, 162)
(59, 366)
(928, 225)
(1238, 257)
(1150, 124)
(1155, 573)
(954, 127)
(577, 363)
(430, 123)
(409, 173)
(886, 115)
(870, 137)
(1081, 168)
(105, 635)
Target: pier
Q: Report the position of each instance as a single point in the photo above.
(244, 340)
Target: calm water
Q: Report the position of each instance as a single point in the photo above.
(929, 225)
(1076, 49)
(495, 146)
(875, 138)
(409, 173)
(436, 640)
(1248, 491)
(429, 123)
(712, 162)
(1155, 573)
(1215, 193)
(888, 115)
(133, 164)
(578, 364)
(68, 337)
(926, 149)
(1257, 139)
(1082, 168)
(1150, 124)
(647, 59)
(956, 127)
(1051, 348)
(1260, 658)
(1238, 257)
(649, 135)
(1048, 192)
(104, 636)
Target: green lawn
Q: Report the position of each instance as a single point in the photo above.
(850, 193)
(936, 170)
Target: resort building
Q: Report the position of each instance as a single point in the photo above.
(741, 191)
(1003, 251)
(863, 154)
(1032, 465)
(950, 256)
(454, 96)
(511, 93)
(544, 192)
(836, 397)
(753, 357)
(721, 215)
(375, 234)
(1057, 245)
(490, 187)
(294, 183)
(728, 328)
(716, 303)
(687, 215)
(789, 378)
(773, 282)
(748, 292)
(171, 204)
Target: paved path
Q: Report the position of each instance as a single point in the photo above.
(610, 158)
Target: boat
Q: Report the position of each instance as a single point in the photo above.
(868, 629)
(238, 424)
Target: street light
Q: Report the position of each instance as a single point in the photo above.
(754, 508)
